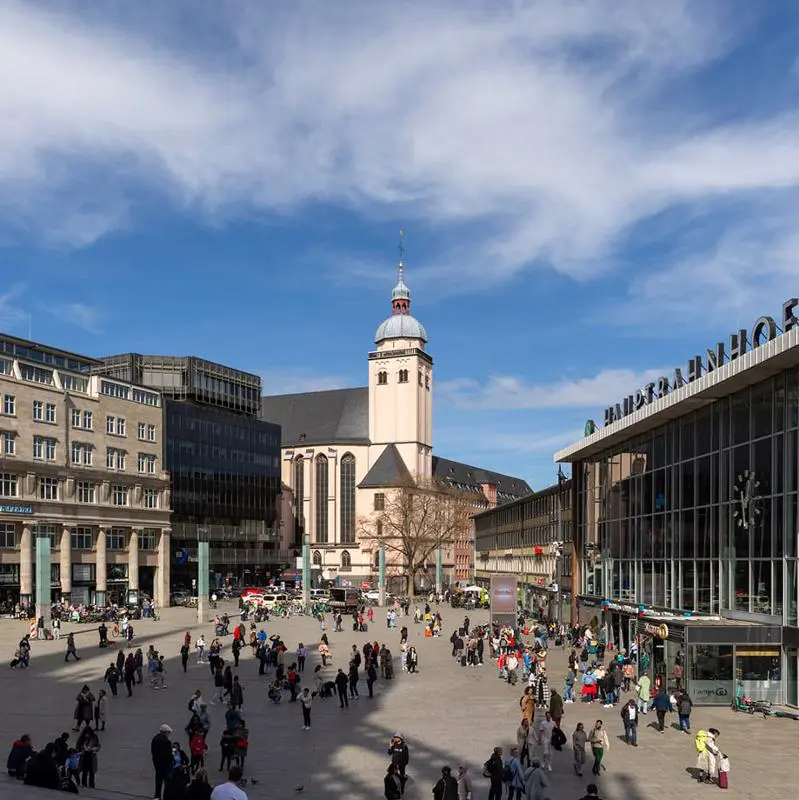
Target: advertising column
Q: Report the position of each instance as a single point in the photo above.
(43, 577)
(503, 599)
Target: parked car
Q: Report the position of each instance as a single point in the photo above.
(180, 597)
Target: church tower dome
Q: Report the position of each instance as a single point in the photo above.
(401, 325)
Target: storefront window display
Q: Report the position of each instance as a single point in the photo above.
(758, 670)
(710, 674)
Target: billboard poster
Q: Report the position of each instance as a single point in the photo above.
(503, 599)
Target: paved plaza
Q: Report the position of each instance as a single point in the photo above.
(447, 713)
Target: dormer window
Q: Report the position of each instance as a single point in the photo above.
(382, 378)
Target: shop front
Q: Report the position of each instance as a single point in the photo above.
(661, 652)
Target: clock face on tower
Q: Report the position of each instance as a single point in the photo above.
(746, 510)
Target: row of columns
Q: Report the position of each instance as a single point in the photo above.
(43, 554)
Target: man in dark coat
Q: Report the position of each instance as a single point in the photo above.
(161, 751)
(447, 786)
(400, 756)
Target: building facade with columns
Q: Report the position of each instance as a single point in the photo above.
(81, 463)
(343, 452)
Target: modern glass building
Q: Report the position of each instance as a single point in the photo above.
(685, 523)
(224, 465)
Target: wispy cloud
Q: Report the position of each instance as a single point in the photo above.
(296, 381)
(532, 120)
(508, 392)
(12, 315)
(81, 315)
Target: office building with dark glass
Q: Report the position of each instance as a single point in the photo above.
(224, 465)
(685, 520)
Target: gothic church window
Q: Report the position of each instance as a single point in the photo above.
(347, 498)
(403, 376)
(321, 499)
(382, 378)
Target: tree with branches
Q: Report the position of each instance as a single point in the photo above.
(418, 517)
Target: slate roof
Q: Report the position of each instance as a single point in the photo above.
(338, 416)
(468, 477)
(389, 470)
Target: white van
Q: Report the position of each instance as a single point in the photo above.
(276, 599)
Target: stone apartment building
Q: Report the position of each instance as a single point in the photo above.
(81, 461)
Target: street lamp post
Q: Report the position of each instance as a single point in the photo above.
(559, 553)
(381, 575)
(202, 573)
(306, 570)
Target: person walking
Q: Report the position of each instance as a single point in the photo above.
(400, 757)
(447, 786)
(464, 783)
(302, 654)
(579, 739)
(600, 744)
(71, 651)
(161, 753)
(111, 677)
(391, 784)
(492, 769)
(629, 718)
(535, 782)
(84, 708)
(661, 703)
(237, 694)
(684, 707)
(371, 677)
(88, 745)
(643, 693)
(184, 656)
(100, 710)
(130, 673)
(353, 679)
(305, 703)
(342, 682)
(543, 734)
(513, 775)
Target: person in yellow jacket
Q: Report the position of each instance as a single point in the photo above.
(644, 693)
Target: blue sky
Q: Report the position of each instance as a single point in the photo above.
(591, 192)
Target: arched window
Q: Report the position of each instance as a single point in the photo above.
(346, 561)
(316, 559)
(321, 498)
(347, 499)
(403, 376)
(382, 378)
(299, 492)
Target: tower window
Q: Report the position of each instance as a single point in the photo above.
(427, 383)
(403, 376)
(382, 378)
(421, 379)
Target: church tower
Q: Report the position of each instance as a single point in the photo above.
(401, 385)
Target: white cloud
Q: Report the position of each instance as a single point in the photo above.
(12, 315)
(532, 119)
(291, 381)
(78, 314)
(506, 392)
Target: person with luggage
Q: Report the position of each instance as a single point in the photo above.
(706, 743)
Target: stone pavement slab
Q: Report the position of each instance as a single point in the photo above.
(447, 713)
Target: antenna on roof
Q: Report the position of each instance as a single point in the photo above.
(401, 249)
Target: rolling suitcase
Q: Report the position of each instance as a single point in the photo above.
(724, 781)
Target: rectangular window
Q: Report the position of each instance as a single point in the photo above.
(76, 417)
(151, 433)
(146, 398)
(49, 449)
(50, 413)
(48, 489)
(9, 444)
(73, 383)
(10, 405)
(115, 539)
(119, 495)
(6, 367)
(380, 502)
(150, 498)
(120, 426)
(88, 455)
(8, 485)
(110, 425)
(82, 539)
(114, 390)
(146, 463)
(88, 420)
(36, 374)
(38, 447)
(38, 411)
(115, 459)
(142, 431)
(8, 535)
(85, 492)
(148, 537)
(76, 451)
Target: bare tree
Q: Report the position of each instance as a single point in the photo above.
(418, 518)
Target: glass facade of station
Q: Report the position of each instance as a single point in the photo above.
(698, 517)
